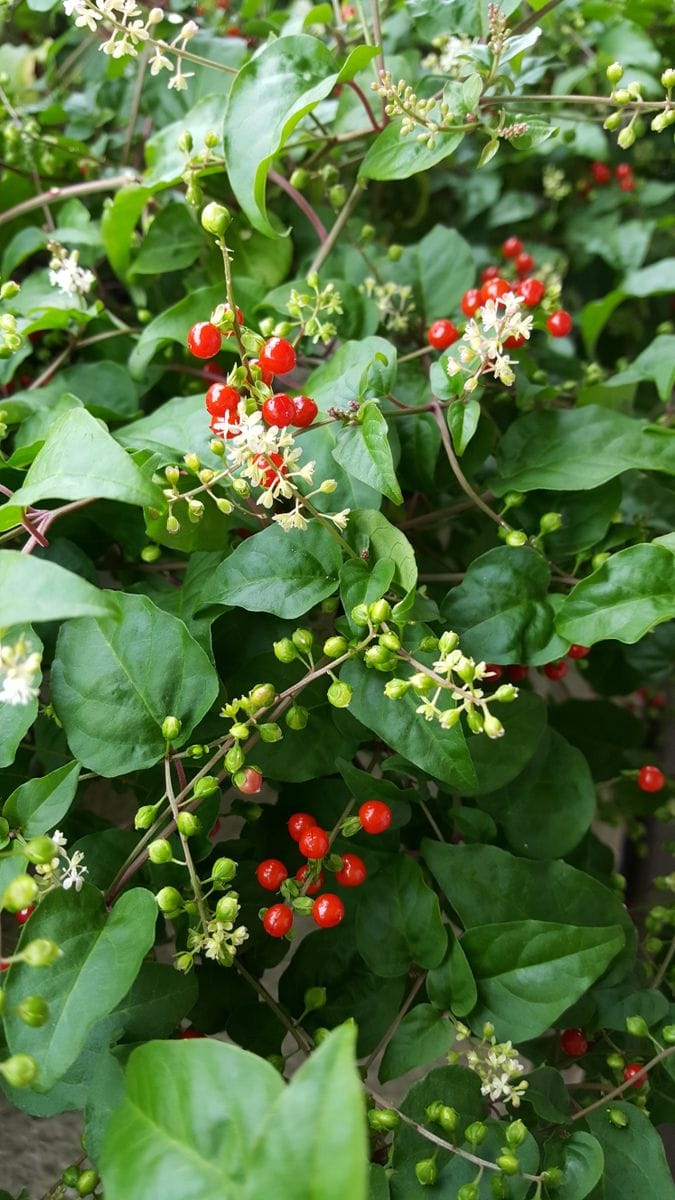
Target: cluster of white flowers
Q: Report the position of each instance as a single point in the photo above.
(19, 672)
(268, 457)
(395, 303)
(222, 940)
(496, 1064)
(500, 326)
(66, 274)
(453, 54)
(129, 26)
(555, 183)
(65, 870)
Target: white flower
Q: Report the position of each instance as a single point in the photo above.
(74, 873)
(159, 62)
(59, 838)
(66, 275)
(179, 79)
(19, 671)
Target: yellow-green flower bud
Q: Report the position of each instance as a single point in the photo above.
(614, 73)
(216, 218)
(339, 694)
(169, 900)
(41, 952)
(171, 727)
(20, 1070)
(160, 851)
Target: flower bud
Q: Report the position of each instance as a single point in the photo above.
(667, 81)
(262, 695)
(626, 137)
(367, 234)
(382, 1120)
(300, 178)
(379, 657)
(335, 647)
(622, 96)
(379, 611)
(270, 732)
(499, 1188)
(216, 218)
(432, 1111)
(395, 689)
(235, 758)
(328, 486)
(475, 1133)
(223, 871)
(40, 850)
(493, 727)
(612, 122)
(20, 1070)
(33, 1011)
(223, 505)
(191, 461)
(315, 998)
(394, 252)
(618, 1117)
(206, 786)
(598, 560)
(188, 824)
(508, 1164)
(515, 537)
(339, 694)
(447, 642)
(297, 717)
(468, 1191)
(20, 893)
(172, 524)
(614, 72)
(151, 553)
(390, 641)
(240, 731)
(447, 1118)
(184, 962)
(171, 727)
(668, 1034)
(160, 851)
(337, 195)
(285, 651)
(516, 1134)
(359, 614)
(169, 900)
(426, 1171)
(637, 1026)
(303, 640)
(41, 952)
(550, 522)
(227, 909)
(86, 1183)
(10, 289)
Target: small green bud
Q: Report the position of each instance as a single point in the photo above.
(216, 218)
(300, 178)
(338, 195)
(185, 142)
(297, 717)
(421, 683)
(468, 1191)
(10, 289)
(614, 72)
(20, 1070)
(33, 1011)
(339, 694)
(379, 611)
(223, 505)
(493, 727)
(553, 1177)
(550, 522)
(285, 651)
(359, 614)
(169, 900)
(151, 553)
(160, 851)
(612, 122)
(505, 693)
(241, 487)
(618, 1117)
(395, 689)
(86, 1183)
(382, 1120)
(429, 644)
(206, 786)
(626, 137)
(667, 81)
(227, 909)
(234, 759)
(41, 952)
(188, 824)
(315, 998)
(262, 695)
(668, 1034)
(20, 893)
(622, 96)
(499, 1187)
(320, 1035)
(184, 962)
(475, 721)
(172, 524)
(637, 1026)
(448, 642)
(516, 1134)
(335, 647)
(40, 850)
(379, 657)
(432, 1111)
(515, 537)
(223, 871)
(475, 1133)
(508, 1164)
(394, 252)
(426, 1171)
(240, 731)
(270, 732)
(191, 461)
(329, 174)
(390, 641)
(70, 1176)
(616, 1061)
(514, 499)
(303, 639)
(171, 727)
(367, 234)
(447, 1118)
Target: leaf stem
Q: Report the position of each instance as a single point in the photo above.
(189, 862)
(389, 1033)
(325, 249)
(661, 973)
(457, 470)
(301, 202)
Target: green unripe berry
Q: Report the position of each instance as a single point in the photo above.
(379, 611)
(550, 522)
(508, 1164)
(616, 1061)
(359, 614)
(637, 1026)
(160, 851)
(668, 1034)
(20, 893)
(297, 717)
(337, 195)
(262, 695)
(447, 1118)
(598, 560)
(285, 651)
(227, 909)
(382, 1120)
(394, 252)
(169, 900)
(171, 727)
(188, 824)
(70, 1176)
(20, 1070)
(86, 1183)
(223, 871)
(33, 1011)
(614, 72)
(151, 553)
(270, 732)
(300, 178)
(367, 234)
(303, 639)
(618, 1118)
(216, 218)
(432, 1110)
(40, 850)
(315, 998)
(514, 499)
(468, 1191)
(234, 759)
(475, 1133)
(339, 694)
(335, 647)
(206, 786)
(515, 537)
(516, 1134)
(426, 1171)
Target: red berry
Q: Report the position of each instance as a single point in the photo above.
(601, 173)
(470, 302)
(328, 910)
(517, 673)
(578, 651)
(23, 914)
(623, 170)
(271, 466)
(278, 920)
(348, 12)
(301, 875)
(559, 323)
(375, 816)
(305, 410)
(265, 375)
(213, 372)
(298, 823)
(490, 272)
(627, 184)
(495, 672)
(442, 334)
(278, 356)
(187, 1034)
(215, 829)
(512, 247)
(532, 292)
(524, 263)
(650, 779)
(271, 874)
(278, 410)
(634, 1074)
(221, 399)
(573, 1042)
(314, 842)
(353, 871)
(556, 670)
(494, 289)
(515, 342)
(204, 340)
(4, 966)
(250, 783)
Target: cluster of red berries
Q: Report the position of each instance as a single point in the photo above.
(574, 1043)
(314, 844)
(554, 670)
(277, 357)
(602, 175)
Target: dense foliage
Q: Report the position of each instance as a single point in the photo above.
(337, 594)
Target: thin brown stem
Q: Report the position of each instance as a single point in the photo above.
(457, 470)
(661, 973)
(300, 202)
(55, 194)
(295, 1031)
(534, 18)
(192, 870)
(432, 820)
(389, 1033)
(135, 102)
(623, 1087)
(543, 98)
(325, 249)
(366, 104)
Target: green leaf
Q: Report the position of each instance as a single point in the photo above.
(174, 240)
(485, 884)
(361, 585)
(626, 597)
(169, 429)
(584, 1166)
(440, 288)
(34, 589)
(498, 762)
(364, 451)
(546, 810)
(79, 461)
(423, 1036)
(112, 690)
(529, 972)
(635, 1162)
(118, 222)
(548, 1095)
(305, 1153)
(340, 380)
(165, 160)
(189, 1122)
(103, 387)
(441, 753)
(398, 920)
(501, 609)
(370, 531)
(101, 955)
(39, 804)
(392, 156)
(577, 449)
(16, 719)
(278, 572)
(271, 93)
(173, 325)
(451, 984)
(463, 417)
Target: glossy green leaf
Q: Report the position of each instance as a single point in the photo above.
(584, 1166)
(101, 955)
(174, 240)
(112, 691)
(173, 325)
(423, 1036)
(451, 984)
(498, 762)
(529, 972)
(547, 1094)
(340, 380)
(463, 417)
(656, 363)
(398, 921)
(626, 597)
(440, 288)
(371, 531)
(39, 804)
(364, 451)
(635, 1161)
(278, 572)
(34, 589)
(392, 156)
